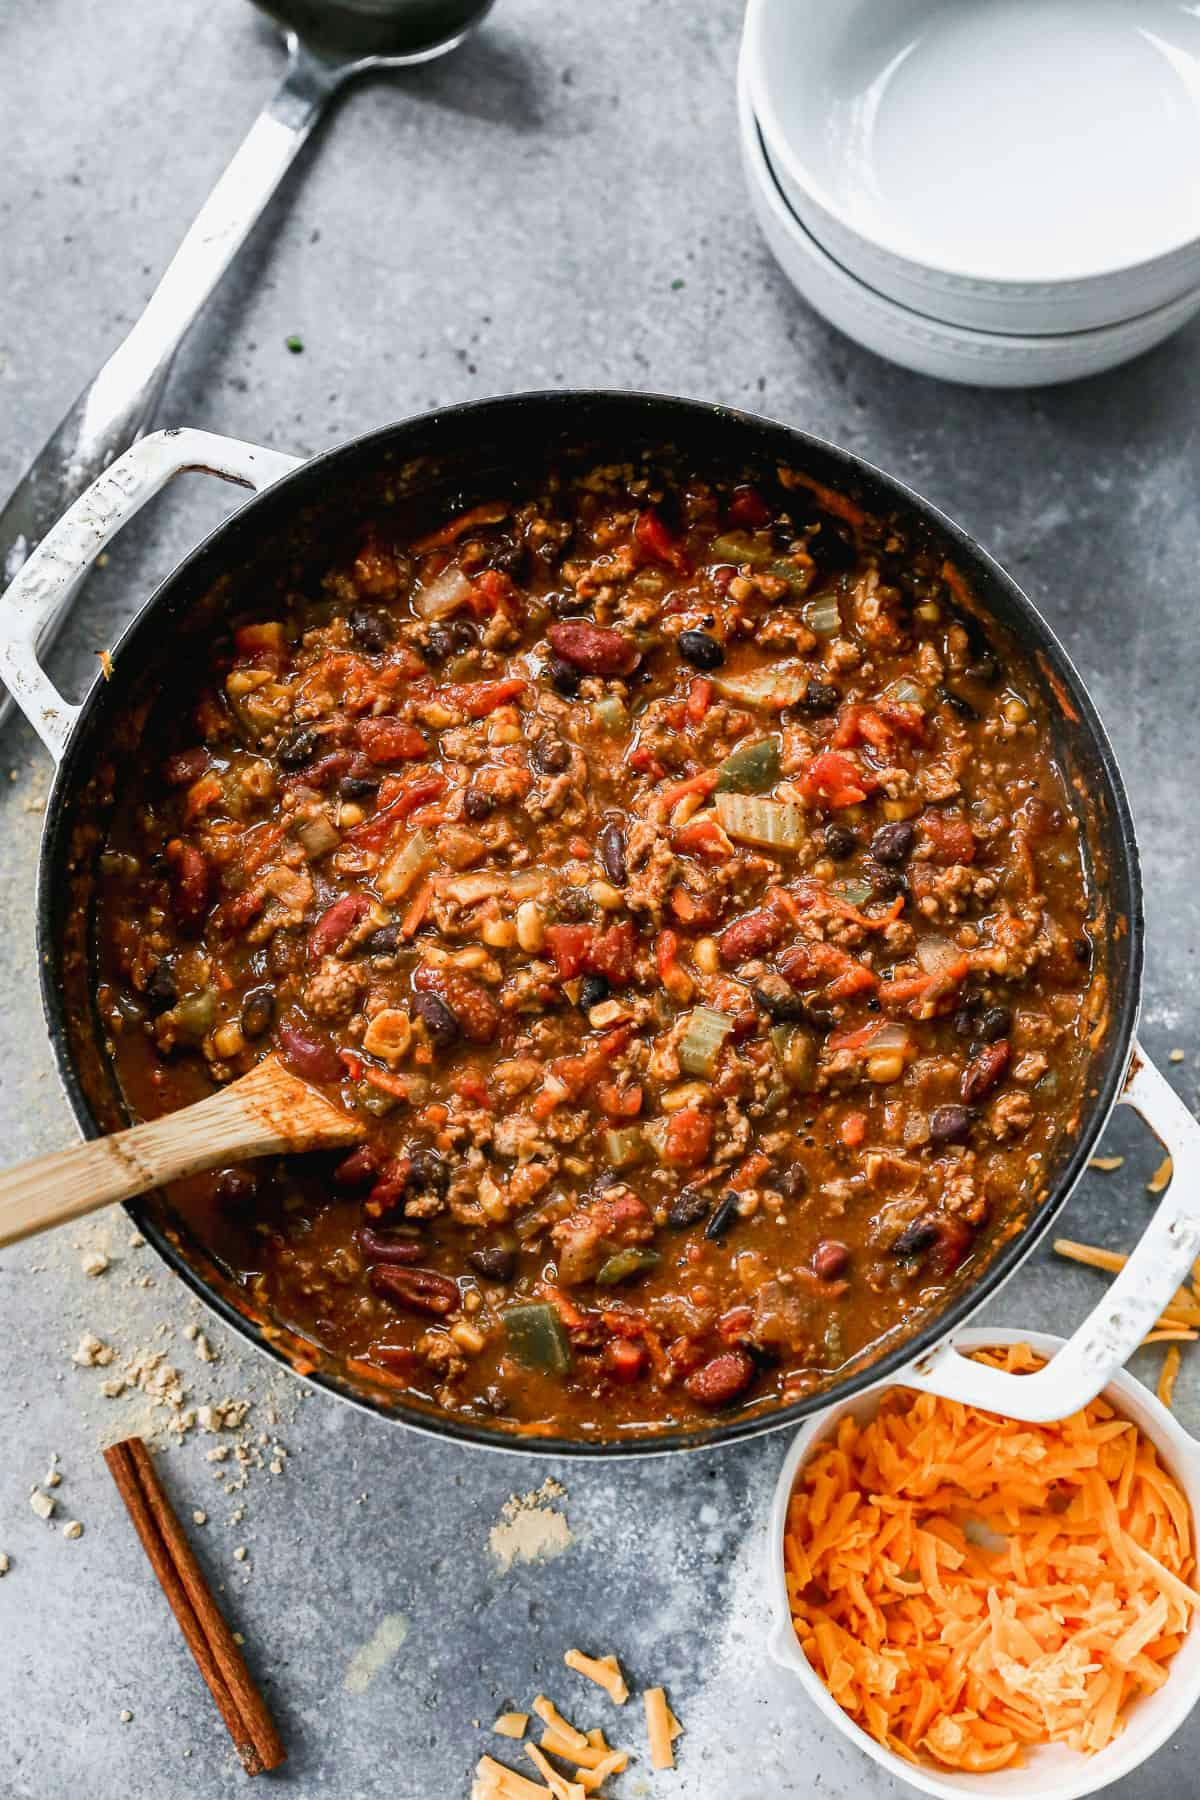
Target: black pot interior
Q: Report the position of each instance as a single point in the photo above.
(457, 457)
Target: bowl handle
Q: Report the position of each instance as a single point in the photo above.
(71, 546)
(1113, 1330)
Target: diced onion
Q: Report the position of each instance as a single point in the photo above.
(404, 865)
(822, 615)
(700, 1046)
(624, 1147)
(888, 1036)
(771, 688)
(775, 824)
(444, 595)
(906, 693)
(936, 953)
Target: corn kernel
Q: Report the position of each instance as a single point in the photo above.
(350, 815)
(887, 1065)
(929, 611)
(531, 933)
(707, 955)
(606, 895)
(228, 1040)
(501, 934)
(1016, 711)
(468, 1337)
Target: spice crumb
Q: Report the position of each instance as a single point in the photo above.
(191, 1330)
(126, 1716)
(238, 1638)
(94, 1263)
(5, 1565)
(41, 1503)
(199, 1516)
(240, 1553)
(51, 1478)
(294, 344)
(92, 1352)
(1175, 1056)
(73, 1529)
(136, 1240)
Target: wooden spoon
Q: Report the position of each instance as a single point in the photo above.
(265, 1113)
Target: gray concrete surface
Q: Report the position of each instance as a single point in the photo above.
(559, 204)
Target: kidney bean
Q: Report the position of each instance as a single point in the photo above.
(477, 805)
(236, 1188)
(355, 1170)
(950, 1124)
(830, 1259)
(894, 843)
(721, 1379)
(840, 842)
(416, 1290)
(308, 1056)
(792, 1182)
(258, 1009)
(191, 879)
(550, 755)
(594, 649)
(160, 992)
(984, 1071)
(564, 678)
(437, 1019)
(389, 741)
(494, 1262)
(916, 1238)
(751, 935)
(328, 769)
(392, 1184)
(185, 767)
(472, 1007)
(625, 1359)
(611, 845)
(389, 1250)
(747, 507)
(336, 923)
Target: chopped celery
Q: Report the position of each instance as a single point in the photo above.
(775, 824)
(740, 547)
(796, 1053)
(610, 713)
(624, 1147)
(797, 579)
(194, 1015)
(537, 1339)
(751, 769)
(623, 1264)
(906, 693)
(700, 1046)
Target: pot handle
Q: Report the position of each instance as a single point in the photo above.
(72, 545)
(1113, 1330)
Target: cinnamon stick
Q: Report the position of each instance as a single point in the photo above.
(208, 1636)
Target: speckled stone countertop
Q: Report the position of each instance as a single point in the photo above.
(559, 204)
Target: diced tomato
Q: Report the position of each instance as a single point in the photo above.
(861, 725)
(389, 740)
(201, 797)
(857, 979)
(396, 803)
(735, 1324)
(748, 508)
(704, 838)
(752, 935)
(853, 1129)
(492, 591)
(676, 981)
(905, 718)
(336, 923)
(568, 945)
(262, 646)
(950, 835)
(702, 910)
(479, 698)
(699, 698)
(625, 1359)
(688, 1138)
(612, 953)
(834, 780)
(474, 1090)
(617, 1102)
(656, 543)
(644, 762)
(191, 878)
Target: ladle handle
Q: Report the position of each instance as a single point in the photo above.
(266, 1112)
(114, 409)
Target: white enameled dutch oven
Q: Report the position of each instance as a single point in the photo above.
(462, 452)
(1050, 1771)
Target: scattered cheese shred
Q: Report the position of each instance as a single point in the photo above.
(512, 1725)
(1161, 1178)
(1170, 1369)
(549, 1714)
(559, 1786)
(662, 1728)
(966, 1585)
(1107, 1165)
(605, 1671)
(496, 1781)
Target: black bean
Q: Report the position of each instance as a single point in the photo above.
(511, 559)
(297, 749)
(372, 631)
(564, 677)
(436, 1017)
(428, 1173)
(894, 843)
(832, 547)
(445, 638)
(568, 604)
(236, 1187)
(1083, 949)
(550, 755)
(821, 697)
(592, 990)
(723, 1218)
(995, 1024)
(840, 842)
(964, 1018)
(494, 1262)
(957, 703)
(820, 1018)
(612, 852)
(985, 668)
(476, 804)
(258, 1009)
(573, 903)
(916, 1238)
(687, 1208)
(161, 991)
(384, 942)
(950, 1124)
(779, 1000)
(791, 1182)
(357, 787)
(700, 649)
(885, 883)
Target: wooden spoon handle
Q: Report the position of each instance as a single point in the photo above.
(268, 1111)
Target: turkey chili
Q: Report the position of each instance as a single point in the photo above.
(683, 890)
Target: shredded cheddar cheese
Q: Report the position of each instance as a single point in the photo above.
(1161, 1178)
(549, 1714)
(662, 1728)
(511, 1725)
(966, 1584)
(1170, 1369)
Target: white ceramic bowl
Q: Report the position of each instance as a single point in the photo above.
(1050, 1772)
(1000, 164)
(949, 352)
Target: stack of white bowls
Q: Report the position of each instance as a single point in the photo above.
(999, 192)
